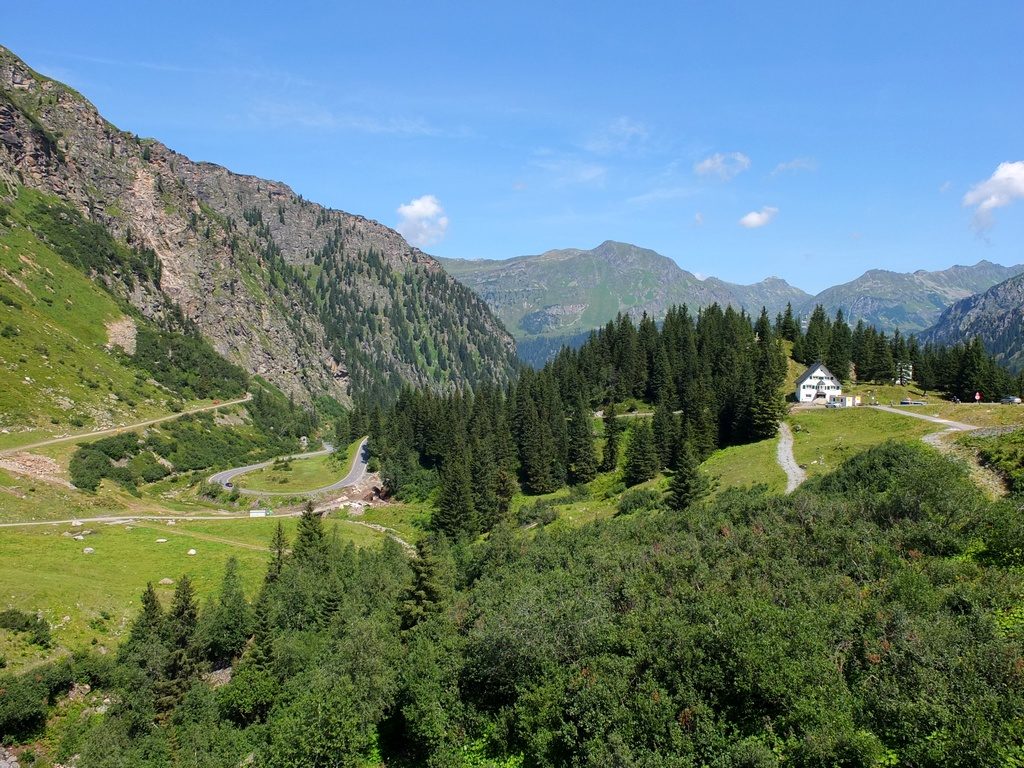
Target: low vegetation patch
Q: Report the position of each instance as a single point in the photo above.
(1004, 454)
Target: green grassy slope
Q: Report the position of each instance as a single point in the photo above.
(56, 371)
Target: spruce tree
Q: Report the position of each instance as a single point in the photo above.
(840, 348)
(278, 549)
(688, 484)
(433, 582)
(767, 406)
(454, 515)
(816, 340)
(582, 462)
(227, 623)
(641, 457)
(665, 433)
(310, 541)
(612, 430)
(180, 669)
(484, 474)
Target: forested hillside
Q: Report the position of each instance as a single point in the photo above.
(711, 381)
(995, 316)
(866, 354)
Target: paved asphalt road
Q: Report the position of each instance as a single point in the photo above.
(362, 457)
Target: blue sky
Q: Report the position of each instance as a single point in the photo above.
(807, 140)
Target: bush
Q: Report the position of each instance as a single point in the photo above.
(146, 467)
(87, 468)
(22, 706)
(20, 621)
(211, 491)
(639, 500)
(118, 447)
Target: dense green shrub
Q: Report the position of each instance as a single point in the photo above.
(88, 467)
(187, 364)
(34, 626)
(117, 447)
(639, 500)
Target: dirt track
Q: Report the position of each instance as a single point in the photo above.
(784, 455)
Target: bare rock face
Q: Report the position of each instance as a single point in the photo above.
(239, 254)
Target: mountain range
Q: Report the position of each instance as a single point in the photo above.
(315, 300)
(564, 292)
(995, 316)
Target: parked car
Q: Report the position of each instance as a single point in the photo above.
(1010, 400)
(908, 401)
(832, 405)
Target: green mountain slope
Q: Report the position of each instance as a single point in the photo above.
(995, 316)
(563, 292)
(74, 354)
(552, 297)
(910, 301)
(315, 300)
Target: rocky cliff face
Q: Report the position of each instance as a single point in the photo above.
(253, 265)
(996, 316)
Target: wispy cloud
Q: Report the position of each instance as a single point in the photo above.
(262, 74)
(422, 221)
(621, 134)
(660, 194)
(565, 171)
(757, 219)
(945, 187)
(725, 166)
(314, 116)
(698, 219)
(997, 191)
(796, 165)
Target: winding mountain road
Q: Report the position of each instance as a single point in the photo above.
(125, 427)
(355, 474)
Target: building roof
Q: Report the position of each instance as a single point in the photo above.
(813, 369)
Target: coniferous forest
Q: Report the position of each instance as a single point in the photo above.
(712, 380)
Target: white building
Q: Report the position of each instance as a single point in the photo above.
(816, 382)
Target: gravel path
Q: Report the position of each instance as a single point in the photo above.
(125, 427)
(985, 477)
(784, 454)
(954, 426)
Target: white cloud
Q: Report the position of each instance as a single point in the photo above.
(796, 164)
(698, 219)
(999, 190)
(945, 187)
(724, 166)
(756, 219)
(422, 221)
(617, 136)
